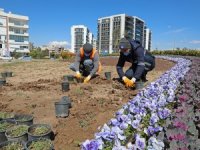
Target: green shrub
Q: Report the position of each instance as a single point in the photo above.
(67, 55)
(183, 52)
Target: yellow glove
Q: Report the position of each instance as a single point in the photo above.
(132, 82)
(128, 82)
(87, 79)
(78, 75)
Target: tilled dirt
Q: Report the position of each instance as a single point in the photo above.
(36, 86)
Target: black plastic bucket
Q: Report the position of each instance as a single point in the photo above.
(9, 74)
(5, 125)
(65, 86)
(42, 145)
(22, 137)
(139, 85)
(62, 109)
(32, 135)
(108, 75)
(70, 78)
(12, 144)
(22, 119)
(66, 99)
(2, 81)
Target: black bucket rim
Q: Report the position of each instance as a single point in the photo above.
(30, 119)
(46, 125)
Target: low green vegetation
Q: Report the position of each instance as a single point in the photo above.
(40, 130)
(17, 131)
(40, 145)
(13, 146)
(6, 115)
(183, 52)
(5, 125)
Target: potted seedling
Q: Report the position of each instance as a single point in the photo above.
(39, 131)
(12, 145)
(8, 74)
(40, 144)
(65, 86)
(6, 116)
(5, 125)
(17, 133)
(24, 119)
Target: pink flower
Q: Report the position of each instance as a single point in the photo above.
(180, 125)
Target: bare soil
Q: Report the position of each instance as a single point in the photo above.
(36, 86)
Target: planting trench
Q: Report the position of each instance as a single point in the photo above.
(35, 87)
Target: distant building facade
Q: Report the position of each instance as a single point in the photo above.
(80, 34)
(112, 28)
(147, 39)
(14, 35)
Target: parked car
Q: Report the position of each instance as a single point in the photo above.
(26, 58)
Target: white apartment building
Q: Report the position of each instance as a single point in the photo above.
(80, 35)
(14, 34)
(147, 39)
(112, 28)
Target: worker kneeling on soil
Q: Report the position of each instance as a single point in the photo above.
(142, 62)
(86, 63)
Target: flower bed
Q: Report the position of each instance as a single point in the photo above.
(138, 123)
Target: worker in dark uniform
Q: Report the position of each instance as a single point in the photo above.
(133, 52)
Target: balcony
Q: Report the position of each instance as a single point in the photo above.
(18, 26)
(18, 43)
(19, 34)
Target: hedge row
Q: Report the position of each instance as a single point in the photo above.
(178, 52)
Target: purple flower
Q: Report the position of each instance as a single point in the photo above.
(140, 143)
(90, 145)
(135, 124)
(154, 118)
(114, 122)
(163, 113)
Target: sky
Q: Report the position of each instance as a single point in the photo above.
(174, 23)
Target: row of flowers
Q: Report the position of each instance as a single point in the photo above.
(137, 123)
(182, 131)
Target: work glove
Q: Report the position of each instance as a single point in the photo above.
(78, 75)
(132, 82)
(87, 79)
(128, 82)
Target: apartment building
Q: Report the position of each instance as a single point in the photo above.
(147, 38)
(14, 34)
(112, 28)
(80, 35)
